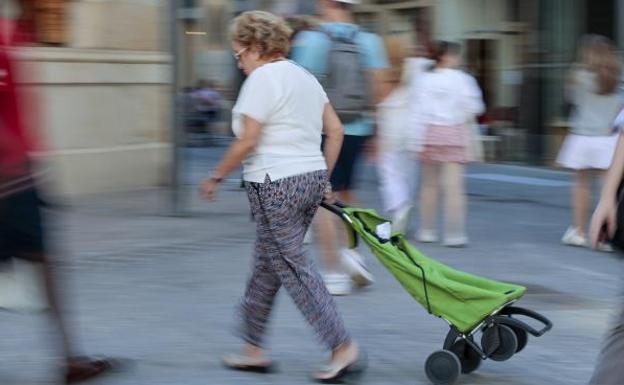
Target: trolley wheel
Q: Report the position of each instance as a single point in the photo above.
(522, 336)
(499, 342)
(469, 358)
(443, 367)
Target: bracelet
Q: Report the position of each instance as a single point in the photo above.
(328, 188)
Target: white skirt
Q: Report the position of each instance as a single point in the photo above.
(581, 152)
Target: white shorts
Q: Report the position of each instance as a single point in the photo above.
(581, 152)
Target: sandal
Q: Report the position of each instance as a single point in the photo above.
(340, 373)
(248, 364)
(80, 369)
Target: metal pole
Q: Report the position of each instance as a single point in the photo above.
(175, 185)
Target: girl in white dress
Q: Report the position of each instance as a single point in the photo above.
(588, 150)
(396, 166)
(444, 102)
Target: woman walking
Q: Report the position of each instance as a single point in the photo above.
(588, 149)
(445, 100)
(278, 120)
(397, 170)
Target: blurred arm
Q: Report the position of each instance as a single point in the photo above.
(334, 132)
(615, 172)
(378, 84)
(474, 98)
(415, 120)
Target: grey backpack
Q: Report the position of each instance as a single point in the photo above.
(345, 80)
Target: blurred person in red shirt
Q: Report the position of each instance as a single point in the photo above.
(22, 230)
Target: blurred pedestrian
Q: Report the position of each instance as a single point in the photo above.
(349, 63)
(396, 168)
(22, 227)
(207, 100)
(445, 101)
(592, 89)
(278, 118)
(609, 369)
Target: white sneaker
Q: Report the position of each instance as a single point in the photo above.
(460, 241)
(572, 237)
(605, 247)
(401, 218)
(354, 266)
(427, 236)
(337, 284)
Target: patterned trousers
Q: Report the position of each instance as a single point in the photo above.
(283, 210)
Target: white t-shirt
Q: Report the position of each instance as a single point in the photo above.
(289, 102)
(445, 97)
(442, 97)
(594, 112)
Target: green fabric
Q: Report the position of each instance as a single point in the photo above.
(463, 299)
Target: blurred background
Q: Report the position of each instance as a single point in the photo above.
(134, 100)
(104, 68)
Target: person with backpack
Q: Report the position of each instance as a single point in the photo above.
(350, 64)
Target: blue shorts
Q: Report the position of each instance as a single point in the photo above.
(342, 178)
(21, 226)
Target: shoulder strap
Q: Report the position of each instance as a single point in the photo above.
(334, 38)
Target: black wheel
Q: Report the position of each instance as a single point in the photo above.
(499, 342)
(522, 336)
(469, 358)
(443, 367)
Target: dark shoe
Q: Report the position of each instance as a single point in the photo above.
(84, 368)
(248, 364)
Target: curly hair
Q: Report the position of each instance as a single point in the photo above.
(268, 33)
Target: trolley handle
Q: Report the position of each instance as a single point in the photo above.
(514, 310)
(335, 207)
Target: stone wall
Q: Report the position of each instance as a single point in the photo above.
(105, 117)
(105, 96)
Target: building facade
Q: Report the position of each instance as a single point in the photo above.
(101, 72)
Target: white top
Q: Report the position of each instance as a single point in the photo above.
(442, 97)
(593, 113)
(289, 102)
(392, 123)
(445, 97)
(393, 112)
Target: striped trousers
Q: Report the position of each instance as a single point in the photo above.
(283, 210)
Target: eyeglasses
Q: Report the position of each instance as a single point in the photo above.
(237, 55)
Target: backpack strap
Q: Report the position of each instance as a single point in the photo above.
(334, 38)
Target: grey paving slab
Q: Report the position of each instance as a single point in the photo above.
(160, 291)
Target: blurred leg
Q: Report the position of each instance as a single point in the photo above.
(429, 191)
(580, 199)
(286, 224)
(394, 180)
(263, 285)
(455, 201)
(22, 219)
(326, 234)
(609, 369)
